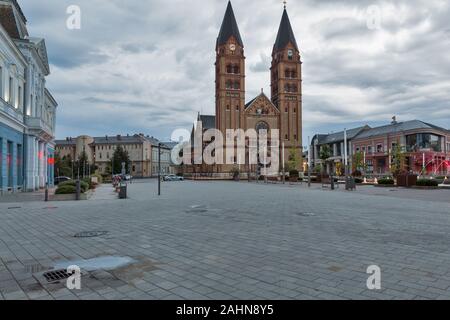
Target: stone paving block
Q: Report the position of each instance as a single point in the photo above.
(250, 242)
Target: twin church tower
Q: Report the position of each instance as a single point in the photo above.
(283, 111)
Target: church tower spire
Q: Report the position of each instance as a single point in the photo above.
(286, 85)
(230, 74)
(229, 28)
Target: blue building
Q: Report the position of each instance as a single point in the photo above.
(27, 109)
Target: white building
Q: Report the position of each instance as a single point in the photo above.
(27, 113)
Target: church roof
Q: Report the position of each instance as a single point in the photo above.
(208, 122)
(229, 28)
(285, 34)
(262, 94)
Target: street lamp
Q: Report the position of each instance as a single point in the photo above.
(159, 169)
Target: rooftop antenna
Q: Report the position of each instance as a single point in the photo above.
(285, 3)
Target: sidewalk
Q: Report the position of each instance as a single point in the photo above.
(104, 192)
(25, 196)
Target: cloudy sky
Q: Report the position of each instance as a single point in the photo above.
(148, 66)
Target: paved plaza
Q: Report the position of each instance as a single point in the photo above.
(229, 240)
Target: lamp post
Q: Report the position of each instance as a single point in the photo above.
(159, 169)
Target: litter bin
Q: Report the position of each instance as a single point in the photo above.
(350, 183)
(123, 191)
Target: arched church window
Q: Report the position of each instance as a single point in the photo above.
(236, 85)
(236, 69)
(262, 126)
(229, 68)
(229, 84)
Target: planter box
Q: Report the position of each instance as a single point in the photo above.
(71, 197)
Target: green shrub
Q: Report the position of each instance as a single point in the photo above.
(67, 189)
(427, 183)
(386, 181)
(83, 185)
(359, 180)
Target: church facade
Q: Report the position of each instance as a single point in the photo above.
(282, 111)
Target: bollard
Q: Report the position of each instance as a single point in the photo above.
(78, 190)
(46, 192)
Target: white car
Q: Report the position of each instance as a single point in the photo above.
(173, 177)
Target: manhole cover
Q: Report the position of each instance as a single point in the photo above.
(56, 275)
(306, 214)
(90, 234)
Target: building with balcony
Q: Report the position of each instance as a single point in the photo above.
(426, 148)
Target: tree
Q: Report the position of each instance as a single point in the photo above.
(325, 154)
(293, 160)
(63, 166)
(358, 163)
(398, 160)
(120, 156)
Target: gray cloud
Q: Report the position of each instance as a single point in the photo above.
(148, 66)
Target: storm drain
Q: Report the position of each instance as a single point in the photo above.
(11, 208)
(90, 234)
(56, 275)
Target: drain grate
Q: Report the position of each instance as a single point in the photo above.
(11, 208)
(56, 275)
(90, 234)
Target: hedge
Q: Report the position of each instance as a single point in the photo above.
(427, 183)
(83, 185)
(67, 189)
(386, 181)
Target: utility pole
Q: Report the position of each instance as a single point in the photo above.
(159, 169)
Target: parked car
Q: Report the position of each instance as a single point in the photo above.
(58, 180)
(173, 177)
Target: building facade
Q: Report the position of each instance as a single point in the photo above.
(335, 141)
(282, 111)
(27, 109)
(425, 147)
(142, 151)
